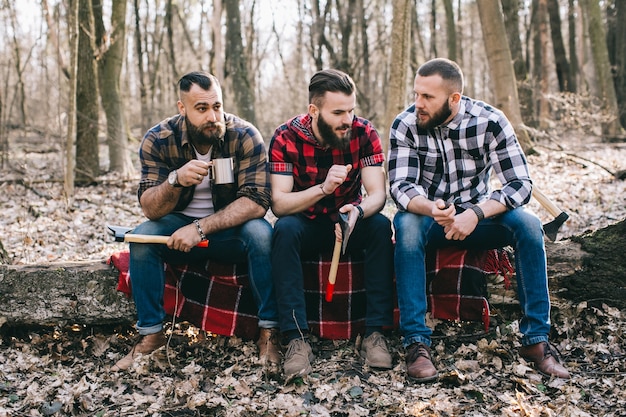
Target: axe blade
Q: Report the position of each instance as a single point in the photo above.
(118, 232)
(552, 228)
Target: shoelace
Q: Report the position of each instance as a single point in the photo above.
(415, 351)
(295, 347)
(378, 340)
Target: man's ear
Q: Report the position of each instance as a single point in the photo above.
(313, 110)
(181, 107)
(455, 98)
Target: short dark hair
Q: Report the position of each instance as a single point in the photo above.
(448, 70)
(329, 80)
(201, 78)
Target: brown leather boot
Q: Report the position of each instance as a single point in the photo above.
(147, 344)
(419, 366)
(545, 358)
(269, 347)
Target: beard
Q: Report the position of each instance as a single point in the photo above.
(436, 118)
(198, 137)
(332, 138)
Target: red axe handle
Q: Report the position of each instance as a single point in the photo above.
(332, 274)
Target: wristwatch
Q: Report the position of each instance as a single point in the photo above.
(172, 179)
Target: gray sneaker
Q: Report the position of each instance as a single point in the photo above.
(374, 351)
(298, 358)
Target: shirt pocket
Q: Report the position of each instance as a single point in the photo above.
(473, 161)
(431, 167)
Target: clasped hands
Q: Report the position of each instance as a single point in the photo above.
(455, 226)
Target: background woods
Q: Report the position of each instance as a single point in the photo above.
(130, 54)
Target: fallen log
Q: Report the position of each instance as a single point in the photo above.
(61, 294)
(86, 293)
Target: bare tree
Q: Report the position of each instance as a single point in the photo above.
(560, 58)
(400, 50)
(20, 95)
(572, 47)
(72, 17)
(597, 37)
(87, 153)
(237, 65)
(617, 53)
(450, 29)
(501, 65)
(111, 58)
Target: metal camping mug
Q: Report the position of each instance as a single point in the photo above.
(222, 170)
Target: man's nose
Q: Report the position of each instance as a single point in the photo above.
(212, 116)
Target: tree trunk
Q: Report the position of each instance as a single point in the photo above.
(573, 54)
(72, 17)
(400, 50)
(216, 35)
(111, 60)
(501, 65)
(20, 94)
(543, 65)
(619, 57)
(560, 58)
(141, 75)
(511, 10)
(87, 153)
(597, 37)
(450, 30)
(237, 67)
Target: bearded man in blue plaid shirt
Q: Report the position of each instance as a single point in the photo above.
(443, 149)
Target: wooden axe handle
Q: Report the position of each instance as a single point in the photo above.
(332, 274)
(546, 203)
(136, 238)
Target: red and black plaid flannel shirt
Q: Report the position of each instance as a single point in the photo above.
(295, 151)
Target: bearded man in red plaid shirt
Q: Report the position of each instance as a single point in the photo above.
(319, 162)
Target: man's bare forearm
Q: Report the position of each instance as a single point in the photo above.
(159, 200)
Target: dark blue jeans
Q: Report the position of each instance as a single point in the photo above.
(297, 237)
(250, 242)
(518, 228)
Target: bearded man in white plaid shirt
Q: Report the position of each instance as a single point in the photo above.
(443, 149)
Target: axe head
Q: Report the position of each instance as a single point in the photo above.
(552, 228)
(346, 230)
(118, 232)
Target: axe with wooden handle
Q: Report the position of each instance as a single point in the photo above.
(552, 228)
(122, 234)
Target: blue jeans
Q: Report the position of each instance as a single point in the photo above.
(250, 242)
(297, 237)
(518, 228)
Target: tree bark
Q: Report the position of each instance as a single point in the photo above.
(399, 66)
(501, 65)
(237, 66)
(110, 67)
(450, 30)
(511, 9)
(70, 156)
(618, 56)
(560, 57)
(87, 153)
(597, 37)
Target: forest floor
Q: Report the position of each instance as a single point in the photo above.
(66, 371)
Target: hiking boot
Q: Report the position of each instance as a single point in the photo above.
(545, 358)
(298, 358)
(147, 344)
(419, 366)
(269, 347)
(374, 351)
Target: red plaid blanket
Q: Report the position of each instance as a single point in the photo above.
(216, 297)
